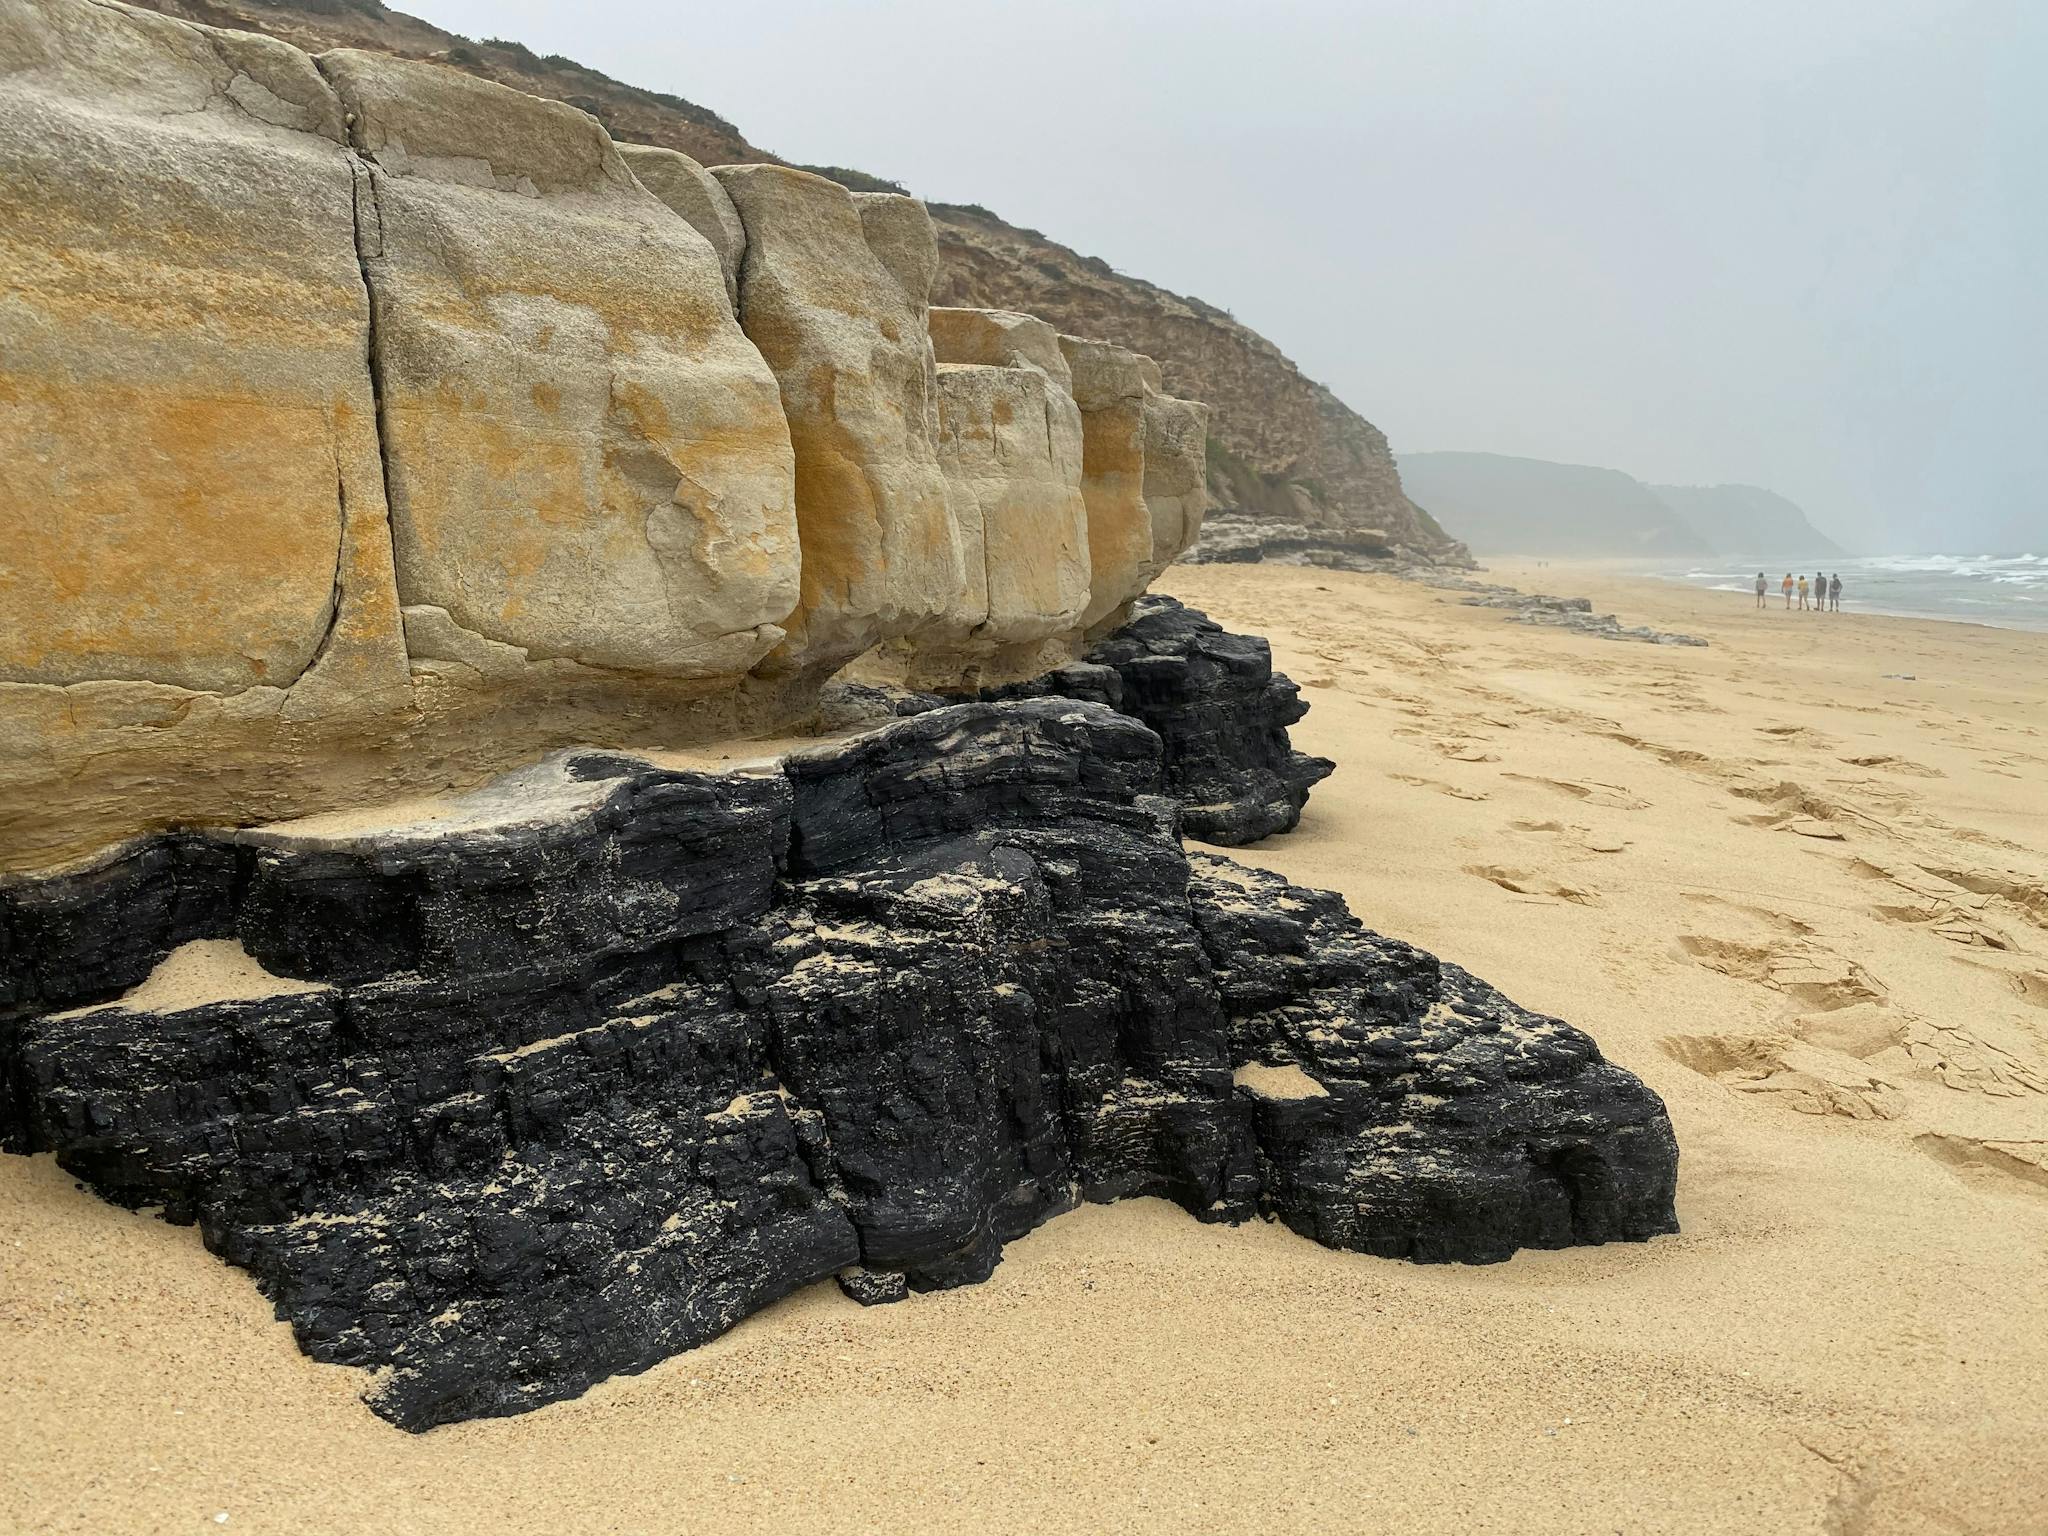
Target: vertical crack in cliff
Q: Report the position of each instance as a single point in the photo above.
(335, 592)
(363, 189)
(367, 223)
(367, 249)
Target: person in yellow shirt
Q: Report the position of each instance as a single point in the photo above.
(1802, 591)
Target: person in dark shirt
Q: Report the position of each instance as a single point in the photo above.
(1835, 592)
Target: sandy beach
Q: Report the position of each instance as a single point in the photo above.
(1797, 880)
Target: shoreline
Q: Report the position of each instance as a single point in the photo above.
(1662, 571)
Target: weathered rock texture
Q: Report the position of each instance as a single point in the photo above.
(190, 490)
(693, 192)
(372, 427)
(592, 1065)
(1010, 445)
(1282, 449)
(586, 458)
(1109, 387)
(1237, 540)
(845, 337)
(1220, 710)
(1176, 472)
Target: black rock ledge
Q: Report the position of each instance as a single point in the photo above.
(583, 1071)
(1220, 710)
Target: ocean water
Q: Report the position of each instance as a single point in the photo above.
(2009, 591)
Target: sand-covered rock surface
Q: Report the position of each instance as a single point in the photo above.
(1797, 880)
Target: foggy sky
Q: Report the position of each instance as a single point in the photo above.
(1797, 243)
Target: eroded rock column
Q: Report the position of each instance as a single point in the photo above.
(845, 338)
(1010, 444)
(587, 460)
(1176, 469)
(1109, 387)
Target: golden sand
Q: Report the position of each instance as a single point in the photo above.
(1809, 904)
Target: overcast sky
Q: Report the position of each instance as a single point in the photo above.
(1798, 243)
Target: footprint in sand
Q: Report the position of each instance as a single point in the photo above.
(1585, 837)
(1849, 1061)
(1440, 787)
(1804, 826)
(1464, 751)
(1999, 1165)
(1803, 1078)
(2024, 894)
(1895, 765)
(2028, 986)
(1670, 757)
(1784, 922)
(1797, 736)
(1526, 883)
(1817, 977)
(1958, 913)
(1788, 799)
(1591, 791)
(1905, 1045)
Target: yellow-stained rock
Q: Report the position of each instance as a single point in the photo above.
(189, 485)
(694, 193)
(1000, 338)
(1176, 475)
(249, 294)
(846, 339)
(586, 458)
(1010, 444)
(1110, 388)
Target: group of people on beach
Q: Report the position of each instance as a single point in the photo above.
(1824, 592)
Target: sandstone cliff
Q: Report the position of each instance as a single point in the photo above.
(1282, 449)
(374, 427)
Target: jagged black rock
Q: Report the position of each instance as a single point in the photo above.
(1220, 710)
(580, 1075)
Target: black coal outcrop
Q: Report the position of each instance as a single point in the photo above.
(1220, 710)
(608, 1056)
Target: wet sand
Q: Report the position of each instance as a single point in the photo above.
(1807, 902)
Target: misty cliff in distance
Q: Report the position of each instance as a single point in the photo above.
(1747, 520)
(1509, 506)
(1282, 448)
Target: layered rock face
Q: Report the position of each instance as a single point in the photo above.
(1176, 470)
(577, 1071)
(1219, 709)
(193, 490)
(1010, 445)
(373, 428)
(846, 339)
(1285, 451)
(586, 458)
(1109, 387)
